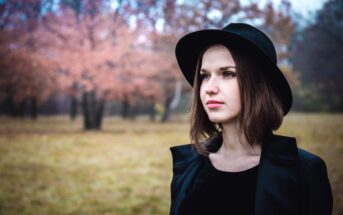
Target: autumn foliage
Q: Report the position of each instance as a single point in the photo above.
(100, 51)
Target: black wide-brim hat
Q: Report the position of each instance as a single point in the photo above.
(190, 46)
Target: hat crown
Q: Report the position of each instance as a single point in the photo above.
(255, 36)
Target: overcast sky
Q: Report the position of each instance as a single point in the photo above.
(303, 9)
(306, 6)
(300, 6)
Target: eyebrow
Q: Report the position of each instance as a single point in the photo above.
(221, 68)
(227, 67)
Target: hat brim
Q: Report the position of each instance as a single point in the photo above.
(191, 45)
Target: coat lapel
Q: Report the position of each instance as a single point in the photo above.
(277, 182)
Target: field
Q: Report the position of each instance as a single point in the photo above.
(51, 166)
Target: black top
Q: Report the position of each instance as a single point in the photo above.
(216, 192)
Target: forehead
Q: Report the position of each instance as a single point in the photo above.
(217, 55)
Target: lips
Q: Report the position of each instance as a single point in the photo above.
(211, 104)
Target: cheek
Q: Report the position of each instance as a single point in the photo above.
(236, 93)
(237, 97)
(202, 94)
(232, 93)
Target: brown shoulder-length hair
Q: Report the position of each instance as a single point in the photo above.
(260, 101)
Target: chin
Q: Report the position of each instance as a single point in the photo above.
(223, 119)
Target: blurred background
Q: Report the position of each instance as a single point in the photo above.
(91, 96)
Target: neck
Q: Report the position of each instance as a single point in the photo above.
(235, 142)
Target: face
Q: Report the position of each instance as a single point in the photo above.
(219, 89)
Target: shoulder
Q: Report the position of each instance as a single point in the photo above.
(311, 164)
(314, 175)
(186, 162)
(306, 156)
(183, 154)
(315, 184)
(285, 149)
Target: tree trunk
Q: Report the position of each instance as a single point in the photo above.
(152, 112)
(33, 108)
(73, 107)
(133, 112)
(99, 114)
(172, 101)
(7, 106)
(125, 109)
(17, 109)
(10, 106)
(167, 110)
(92, 110)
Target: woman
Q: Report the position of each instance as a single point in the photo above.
(236, 165)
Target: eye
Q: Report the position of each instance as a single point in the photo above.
(228, 74)
(204, 75)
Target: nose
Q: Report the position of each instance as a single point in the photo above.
(211, 87)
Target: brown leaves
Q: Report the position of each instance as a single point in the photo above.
(119, 54)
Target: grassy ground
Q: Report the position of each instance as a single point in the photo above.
(50, 166)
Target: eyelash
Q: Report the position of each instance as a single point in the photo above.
(225, 74)
(229, 73)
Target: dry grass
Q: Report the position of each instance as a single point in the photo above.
(51, 166)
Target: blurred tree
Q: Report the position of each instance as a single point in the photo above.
(81, 49)
(26, 76)
(81, 46)
(87, 49)
(318, 58)
(279, 25)
(100, 58)
(97, 51)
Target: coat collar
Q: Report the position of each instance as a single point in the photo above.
(280, 149)
(277, 181)
(276, 148)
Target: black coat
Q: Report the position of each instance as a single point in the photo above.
(290, 180)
